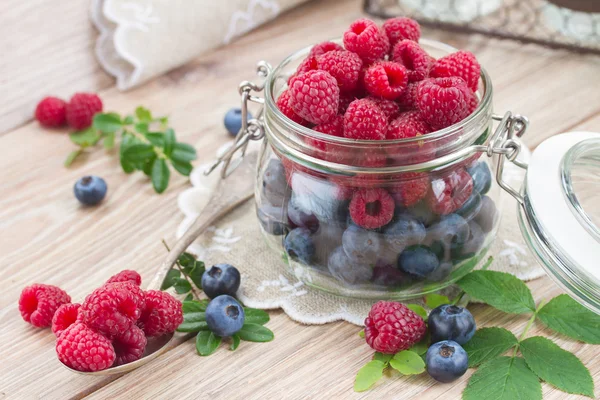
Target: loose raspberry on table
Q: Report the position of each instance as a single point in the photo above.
(401, 28)
(408, 99)
(392, 327)
(364, 120)
(447, 194)
(390, 108)
(408, 125)
(344, 66)
(386, 79)
(127, 275)
(324, 47)
(283, 103)
(314, 96)
(39, 302)
(443, 101)
(81, 110)
(113, 308)
(409, 188)
(462, 64)
(162, 313)
(372, 208)
(416, 60)
(367, 40)
(129, 346)
(65, 316)
(83, 349)
(51, 112)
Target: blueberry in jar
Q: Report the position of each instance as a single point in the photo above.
(224, 316)
(90, 190)
(423, 213)
(274, 183)
(446, 361)
(441, 272)
(472, 245)
(405, 230)
(347, 270)
(221, 279)
(450, 232)
(299, 245)
(482, 177)
(300, 216)
(450, 322)
(272, 219)
(389, 275)
(418, 261)
(486, 218)
(326, 239)
(471, 207)
(233, 121)
(362, 245)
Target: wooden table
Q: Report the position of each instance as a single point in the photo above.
(47, 237)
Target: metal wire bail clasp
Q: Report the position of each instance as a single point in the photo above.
(251, 129)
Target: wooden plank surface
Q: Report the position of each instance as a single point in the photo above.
(47, 237)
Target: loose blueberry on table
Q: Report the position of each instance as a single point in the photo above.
(90, 190)
(221, 279)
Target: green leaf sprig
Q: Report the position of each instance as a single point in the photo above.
(147, 144)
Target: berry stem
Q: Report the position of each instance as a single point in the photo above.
(529, 325)
(180, 268)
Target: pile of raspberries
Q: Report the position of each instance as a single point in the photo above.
(112, 325)
(78, 113)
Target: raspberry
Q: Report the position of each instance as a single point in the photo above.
(113, 308)
(334, 127)
(473, 102)
(51, 112)
(416, 60)
(408, 125)
(162, 313)
(401, 28)
(314, 96)
(81, 110)
(345, 100)
(129, 346)
(324, 47)
(65, 316)
(443, 101)
(364, 120)
(344, 66)
(81, 348)
(371, 208)
(386, 79)
(408, 99)
(462, 64)
(283, 103)
(390, 108)
(366, 39)
(308, 64)
(39, 302)
(127, 275)
(392, 327)
(410, 188)
(449, 193)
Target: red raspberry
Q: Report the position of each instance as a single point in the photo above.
(401, 28)
(113, 308)
(81, 110)
(449, 193)
(162, 313)
(39, 302)
(334, 127)
(386, 79)
(127, 275)
(83, 349)
(372, 208)
(129, 346)
(408, 99)
(283, 103)
(51, 112)
(324, 150)
(410, 188)
(308, 64)
(473, 102)
(364, 120)
(344, 66)
(416, 60)
(314, 96)
(345, 100)
(392, 327)
(64, 317)
(443, 101)
(390, 108)
(366, 39)
(462, 64)
(324, 47)
(408, 125)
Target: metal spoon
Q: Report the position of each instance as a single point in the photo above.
(228, 195)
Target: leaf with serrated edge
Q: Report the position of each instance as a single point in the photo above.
(255, 316)
(417, 309)
(235, 342)
(487, 344)
(194, 306)
(382, 357)
(500, 290)
(504, 378)
(556, 366)
(422, 347)
(368, 375)
(181, 286)
(408, 363)
(207, 342)
(255, 333)
(564, 315)
(433, 300)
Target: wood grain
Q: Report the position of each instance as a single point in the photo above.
(47, 237)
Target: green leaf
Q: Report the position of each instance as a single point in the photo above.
(109, 141)
(487, 344)
(422, 347)
(500, 290)
(556, 366)
(128, 120)
(184, 168)
(160, 175)
(564, 315)
(164, 121)
(169, 140)
(139, 153)
(196, 274)
(187, 261)
(207, 342)
(189, 297)
(107, 122)
(504, 378)
(170, 279)
(148, 164)
(193, 322)
(361, 333)
(72, 156)
(141, 127)
(382, 357)
(418, 310)
(368, 375)
(126, 141)
(408, 363)
(181, 286)
(143, 114)
(434, 300)
(156, 138)
(85, 138)
(191, 306)
(183, 152)
(235, 342)
(255, 333)
(255, 316)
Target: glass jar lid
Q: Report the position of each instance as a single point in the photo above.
(560, 213)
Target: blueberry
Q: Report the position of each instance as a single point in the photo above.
(362, 245)
(90, 190)
(419, 261)
(404, 231)
(389, 275)
(299, 245)
(224, 316)
(446, 361)
(471, 207)
(327, 238)
(423, 213)
(300, 216)
(482, 177)
(448, 322)
(233, 121)
(271, 218)
(346, 270)
(275, 186)
(441, 272)
(221, 279)
(488, 214)
(472, 245)
(450, 232)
